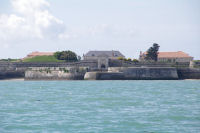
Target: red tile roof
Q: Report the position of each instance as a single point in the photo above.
(40, 54)
(178, 54)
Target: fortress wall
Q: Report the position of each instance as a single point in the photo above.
(17, 69)
(121, 63)
(131, 71)
(189, 73)
(134, 73)
(48, 64)
(11, 74)
(150, 73)
(56, 73)
(197, 64)
(104, 76)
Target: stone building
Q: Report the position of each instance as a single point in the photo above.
(178, 56)
(102, 57)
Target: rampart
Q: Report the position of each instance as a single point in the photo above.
(122, 63)
(188, 73)
(17, 69)
(134, 73)
(55, 73)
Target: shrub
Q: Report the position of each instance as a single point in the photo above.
(66, 55)
(129, 59)
(135, 60)
(120, 58)
(125, 59)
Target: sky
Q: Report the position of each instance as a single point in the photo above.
(129, 26)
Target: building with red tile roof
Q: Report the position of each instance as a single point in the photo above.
(178, 56)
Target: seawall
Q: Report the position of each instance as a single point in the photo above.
(134, 73)
(122, 63)
(188, 73)
(9, 70)
(56, 73)
(130, 70)
(104, 76)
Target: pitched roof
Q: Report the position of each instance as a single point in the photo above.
(178, 54)
(40, 53)
(104, 53)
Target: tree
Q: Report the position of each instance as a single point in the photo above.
(135, 60)
(66, 55)
(152, 52)
(79, 58)
(129, 59)
(120, 58)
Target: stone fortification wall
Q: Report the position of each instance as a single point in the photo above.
(130, 70)
(134, 73)
(196, 64)
(150, 73)
(56, 73)
(7, 71)
(17, 69)
(48, 64)
(11, 74)
(104, 76)
(122, 63)
(189, 73)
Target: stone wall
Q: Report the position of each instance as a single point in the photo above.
(104, 76)
(48, 64)
(150, 73)
(17, 69)
(11, 74)
(122, 63)
(189, 73)
(195, 64)
(56, 73)
(134, 73)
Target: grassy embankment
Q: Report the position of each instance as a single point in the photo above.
(42, 59)
(10, 60)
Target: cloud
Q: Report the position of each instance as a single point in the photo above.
(30, 20)
(100, 31)
(29, 6)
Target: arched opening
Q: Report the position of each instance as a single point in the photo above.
(103, 66)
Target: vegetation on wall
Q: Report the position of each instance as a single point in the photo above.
(10, 60)
(66, 55)
(135, 60)
(129, 59)
(120, 58)
(152, 52)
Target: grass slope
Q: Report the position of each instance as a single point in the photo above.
(42, 59)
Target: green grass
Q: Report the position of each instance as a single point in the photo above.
(11, 60)
(42, 59)
(196, 60)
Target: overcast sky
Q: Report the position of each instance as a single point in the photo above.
(129, 26)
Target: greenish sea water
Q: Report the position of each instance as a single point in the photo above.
(100, 106)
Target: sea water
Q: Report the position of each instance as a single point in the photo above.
(100, 106)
